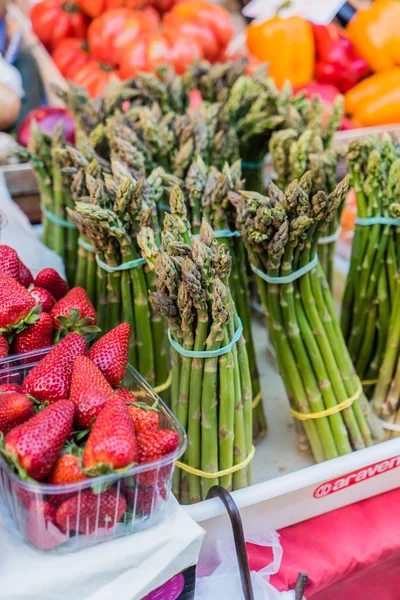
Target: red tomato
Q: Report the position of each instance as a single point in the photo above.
(103, 31)
(215, 17)
(94, 77)
(133, 27)
(194, 30)
(155, 48)
(54, 20)
(70, 55)
(94, 8)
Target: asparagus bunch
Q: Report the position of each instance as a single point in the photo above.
(211, 396)
(372, 284)
(281, 232)
(119, 205)
(59, 234)
(295, 152)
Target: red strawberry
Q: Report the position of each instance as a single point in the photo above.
(50, 379)
(90, 391)
(75, 312)
(3, 347)
(44, 298)
(127, 395)
(9, 262)
(41, 529)
(5, 388)
(112, 441)
(15, 408)
(110, 353)
(51, 281)
(152, 446)
(33, 447)
(17, 307)
(68, 469)
(25, 276)
(39, 335)
(88, 511)
(144, 500)
(143, 419)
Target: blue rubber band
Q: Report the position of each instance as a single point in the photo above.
(164, 206)
(222, 233)
(206, 353)
(252, 165)
(364, 222)
(132, 264)
(85, 245)
(286, 278)
(56, 220)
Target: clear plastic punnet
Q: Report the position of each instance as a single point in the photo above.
(99, 508)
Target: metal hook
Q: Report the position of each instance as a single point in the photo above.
(301, 583)
(240, 544)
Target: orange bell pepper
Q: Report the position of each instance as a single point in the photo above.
(375, 100)
(287, 45)
(374, 33)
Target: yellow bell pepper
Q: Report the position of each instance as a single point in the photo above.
(287, 45)
(376, 99)
(374, 33)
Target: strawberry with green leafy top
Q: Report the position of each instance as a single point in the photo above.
(88, 511)
(35, 337)
(127, 395)
(50, 379)
(74, 312)
(33, 447)
(143, 418)
(18, 308)
(68, 467)
(90, 391)
(51, 281)
(152, 446)
(15, 408)
(110, 353)
(112, 441)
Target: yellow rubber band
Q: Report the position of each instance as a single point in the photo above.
(164, 386)
(218, 474)
(329, 411)
(257, 400)
(370, 381)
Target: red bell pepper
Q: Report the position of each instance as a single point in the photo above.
(336, 60)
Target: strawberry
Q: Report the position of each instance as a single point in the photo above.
(39, 335)
(143, 419)
(33, 447)
(68, 468)
(90, 391)
(3, 347)
(127, 395)
(75, 312)
(152, 446)
(25, 276)
(88, 511)
(44, 298)
(40, 526)
(51, 281)
(50, 379)
(17, 307)
(15, 408)
(144, 500)
(112, 441)
(110, 353)
(9, 262)
(5, 388)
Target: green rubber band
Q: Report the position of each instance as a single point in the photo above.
(85, 245)
(206, 353)
(252, 165)
(364, 222)
(57, 220)
(287, 278)
(132, 264)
